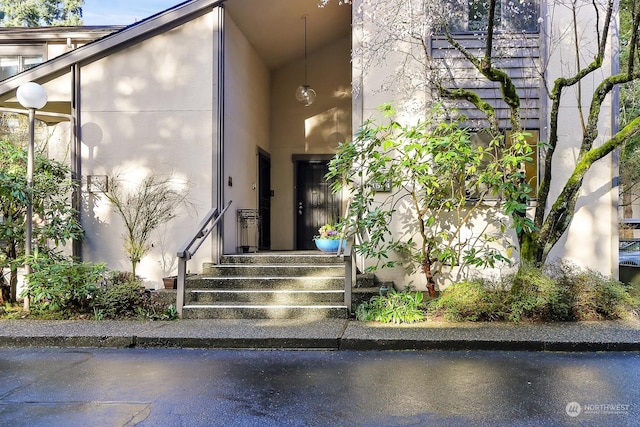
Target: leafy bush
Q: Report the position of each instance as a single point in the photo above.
(595, 296)
(536, 295)
(470, 301)
(396, 307)
(61, 288)
(558, 292)
(123, 296)
(60, 284)
(118, 300)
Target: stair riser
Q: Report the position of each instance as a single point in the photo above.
(275, 285)
(263, 283)
(275, 270)
(264, 313)
(316, 259)
(265, 298)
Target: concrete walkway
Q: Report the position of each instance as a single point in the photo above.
(334, 334)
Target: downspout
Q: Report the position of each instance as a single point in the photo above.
(615, 155)
(76, 154)
(218, 119)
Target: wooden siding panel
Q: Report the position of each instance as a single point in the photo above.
(518, 56)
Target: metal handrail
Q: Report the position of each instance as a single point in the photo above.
(358, 236)
(191, 246)
(343, 232)
(350, 273)
(349, 256)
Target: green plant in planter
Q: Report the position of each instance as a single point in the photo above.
(329, 238)
(329, 232)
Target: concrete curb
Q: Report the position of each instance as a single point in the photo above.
(330, 334)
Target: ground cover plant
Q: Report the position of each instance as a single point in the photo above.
(394, 306)
(63, 289)
(556, 292)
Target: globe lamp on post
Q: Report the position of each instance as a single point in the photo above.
(33, 97)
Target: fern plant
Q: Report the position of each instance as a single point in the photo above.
(395, 306)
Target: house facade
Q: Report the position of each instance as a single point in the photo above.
(204, 92)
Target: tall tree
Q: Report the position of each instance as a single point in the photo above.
(403, 30)
(35, 13)
(55, 221)
(629, 109)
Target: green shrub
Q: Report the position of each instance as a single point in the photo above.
(60, 288)
(599, 297)
(595, 296)
(612, 299)
(537, 296)
(468, 301)
(397, 307)
(119, 300)
(122, 296)
(558, 292)
(61, 284)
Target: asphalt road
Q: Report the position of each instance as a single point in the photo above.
(169, 387)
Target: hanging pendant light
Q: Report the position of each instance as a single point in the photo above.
(305, 94)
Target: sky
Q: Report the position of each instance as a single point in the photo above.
(122, 12)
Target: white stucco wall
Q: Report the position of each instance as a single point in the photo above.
(592, 238)
(246, 125)
(148, 110)
(296, 129)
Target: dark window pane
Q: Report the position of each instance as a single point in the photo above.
(479, 15)
(521, 16)
(511, 15)
(30, 62)
(8, 66)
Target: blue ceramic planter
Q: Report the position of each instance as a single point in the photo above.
(328, 245)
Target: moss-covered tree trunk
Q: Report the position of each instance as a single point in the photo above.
(552, 218)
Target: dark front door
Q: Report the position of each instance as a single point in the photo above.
(316, 205)
(264, 200)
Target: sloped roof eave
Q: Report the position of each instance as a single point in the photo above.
(163, 21)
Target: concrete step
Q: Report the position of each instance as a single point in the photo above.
(241, 311)
(269, 285)
(273, 283)
(284, 257)
(275, 270)
(265, 297)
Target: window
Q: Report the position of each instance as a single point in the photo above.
(30, 62)
(511, 16)
(12, 65)
(8, 66)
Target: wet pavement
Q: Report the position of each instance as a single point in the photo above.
(205, 387)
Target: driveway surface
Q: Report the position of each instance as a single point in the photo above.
(210, 387)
